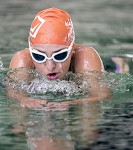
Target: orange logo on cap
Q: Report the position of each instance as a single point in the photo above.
(34, 30)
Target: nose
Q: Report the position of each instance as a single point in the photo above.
(50, 65)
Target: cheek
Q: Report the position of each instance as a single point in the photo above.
(39, 67)
(65, 65)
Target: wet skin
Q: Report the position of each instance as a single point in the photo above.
(81, 59)
(51, 69)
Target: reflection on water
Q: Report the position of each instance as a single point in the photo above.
(70, 129)
(115, 132)
(83, 126)
(106, 25)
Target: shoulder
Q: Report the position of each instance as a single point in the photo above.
(86, 59)
(21, 58)
(79, 48)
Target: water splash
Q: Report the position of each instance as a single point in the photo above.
(1, 64)
(117, 82)
(41, 85)
(71, 85)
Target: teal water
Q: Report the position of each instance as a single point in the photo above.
(107, 26)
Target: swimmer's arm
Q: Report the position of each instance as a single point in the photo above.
(96, 92)
(20, 63)
(25, 100)
(21, 59)
(86, 59)
(102, 94)
(16, 76)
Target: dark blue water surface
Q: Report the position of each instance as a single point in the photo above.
(103, 125)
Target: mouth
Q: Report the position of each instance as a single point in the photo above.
(52, 76)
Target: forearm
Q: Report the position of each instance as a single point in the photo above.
(25, 100)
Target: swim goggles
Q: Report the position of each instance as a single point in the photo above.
(60, 56)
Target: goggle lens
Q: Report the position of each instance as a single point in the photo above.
(38, 57)
(61, 56)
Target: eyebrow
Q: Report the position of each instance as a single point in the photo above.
(53, 52)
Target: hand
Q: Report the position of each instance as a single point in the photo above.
(33, 103)
(53, 106)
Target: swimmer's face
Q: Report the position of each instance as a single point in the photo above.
(53, 60)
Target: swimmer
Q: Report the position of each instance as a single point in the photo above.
(53, 52)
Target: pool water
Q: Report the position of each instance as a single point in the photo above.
(105, 25)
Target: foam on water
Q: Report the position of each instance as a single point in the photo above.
(71, 85)
(117, 82)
